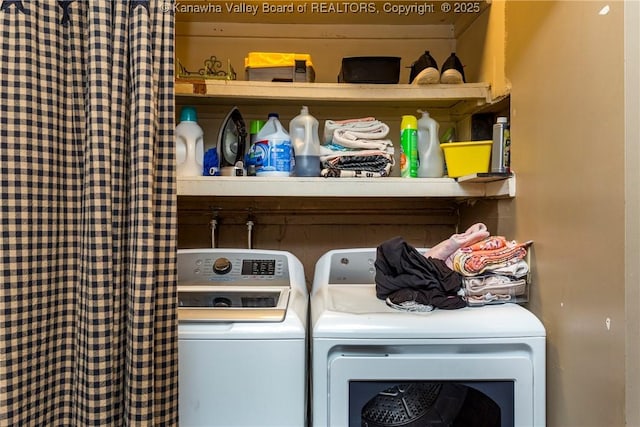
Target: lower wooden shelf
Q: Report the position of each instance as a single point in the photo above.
(246, 186)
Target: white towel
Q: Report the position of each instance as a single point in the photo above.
(519, 269)
(367, 128)
(494, 284)
(361, 140)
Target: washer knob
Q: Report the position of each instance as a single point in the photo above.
(222, 266)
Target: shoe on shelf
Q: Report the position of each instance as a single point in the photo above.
(425, 70)
(452, 71)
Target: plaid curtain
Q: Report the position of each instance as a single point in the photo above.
(88, 320)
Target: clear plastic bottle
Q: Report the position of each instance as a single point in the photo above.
(189, 144)
(303, 130)
(431, 159)
(409, 147)
(272, 149)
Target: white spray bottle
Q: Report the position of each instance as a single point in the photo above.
(429, 152)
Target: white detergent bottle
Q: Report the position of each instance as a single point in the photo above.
(272, 149)
(429, 152)
(189, 144)
(303, 130)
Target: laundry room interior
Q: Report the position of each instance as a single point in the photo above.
(562, 72)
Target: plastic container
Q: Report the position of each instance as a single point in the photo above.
(279, 66)
(430, 157)
(189, 144)
(254, 127)
(466, 158)
(370, 69)
(272, 149)
(409, 147)
(303, 130)
(501, 150)
(211, 163)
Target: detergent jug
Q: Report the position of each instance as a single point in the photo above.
(189, 144)
(303, 130)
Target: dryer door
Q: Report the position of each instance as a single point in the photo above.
(359, 377)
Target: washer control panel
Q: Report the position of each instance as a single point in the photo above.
(239, 268)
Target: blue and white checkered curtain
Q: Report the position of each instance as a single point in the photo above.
(88, 327)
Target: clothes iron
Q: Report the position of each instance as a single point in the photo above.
(232, 144)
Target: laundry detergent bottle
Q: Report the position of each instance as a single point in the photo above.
(272, 149)
(303, 130)
(409, 147)
(430, 157)
(189, 144)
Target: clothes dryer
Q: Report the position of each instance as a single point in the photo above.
(376, 366)
(242, 338)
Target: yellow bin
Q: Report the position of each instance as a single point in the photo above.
(467, 157)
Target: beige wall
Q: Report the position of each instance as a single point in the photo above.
(632, 232)
(565, 64)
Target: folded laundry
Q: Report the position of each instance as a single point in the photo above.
(361, 140)
(494, 284)
(364, 124)
(488, 254)
(445, 249)
(355, 166)
(330, 151)
(518, 269)
(487, 299)
(356, 148)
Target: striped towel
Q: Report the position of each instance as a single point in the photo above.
(490, 253)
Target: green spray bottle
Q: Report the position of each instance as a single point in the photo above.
(409, 147)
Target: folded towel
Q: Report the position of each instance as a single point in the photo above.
(445, 249)
(493, 284)
(332, 151)
(517, 270)
(362, 140)
(354, 166)
(487, 299)
(364, 124)
(490, 253)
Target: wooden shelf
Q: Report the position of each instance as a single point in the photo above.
(459, 99)
(248, 186)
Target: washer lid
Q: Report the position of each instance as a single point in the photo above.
(354, 311)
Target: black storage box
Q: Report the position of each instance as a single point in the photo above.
(370, 69)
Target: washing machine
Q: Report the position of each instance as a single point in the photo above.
(377, 366)
(242, 322)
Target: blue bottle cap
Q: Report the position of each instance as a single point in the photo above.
(188, 114)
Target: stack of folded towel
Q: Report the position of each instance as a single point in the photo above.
(356, 148)
(468, 269)
(494, 270)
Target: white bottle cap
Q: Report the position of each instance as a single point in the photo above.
(502, 120)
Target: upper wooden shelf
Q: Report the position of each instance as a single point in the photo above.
(458, 99)
(221, 186)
